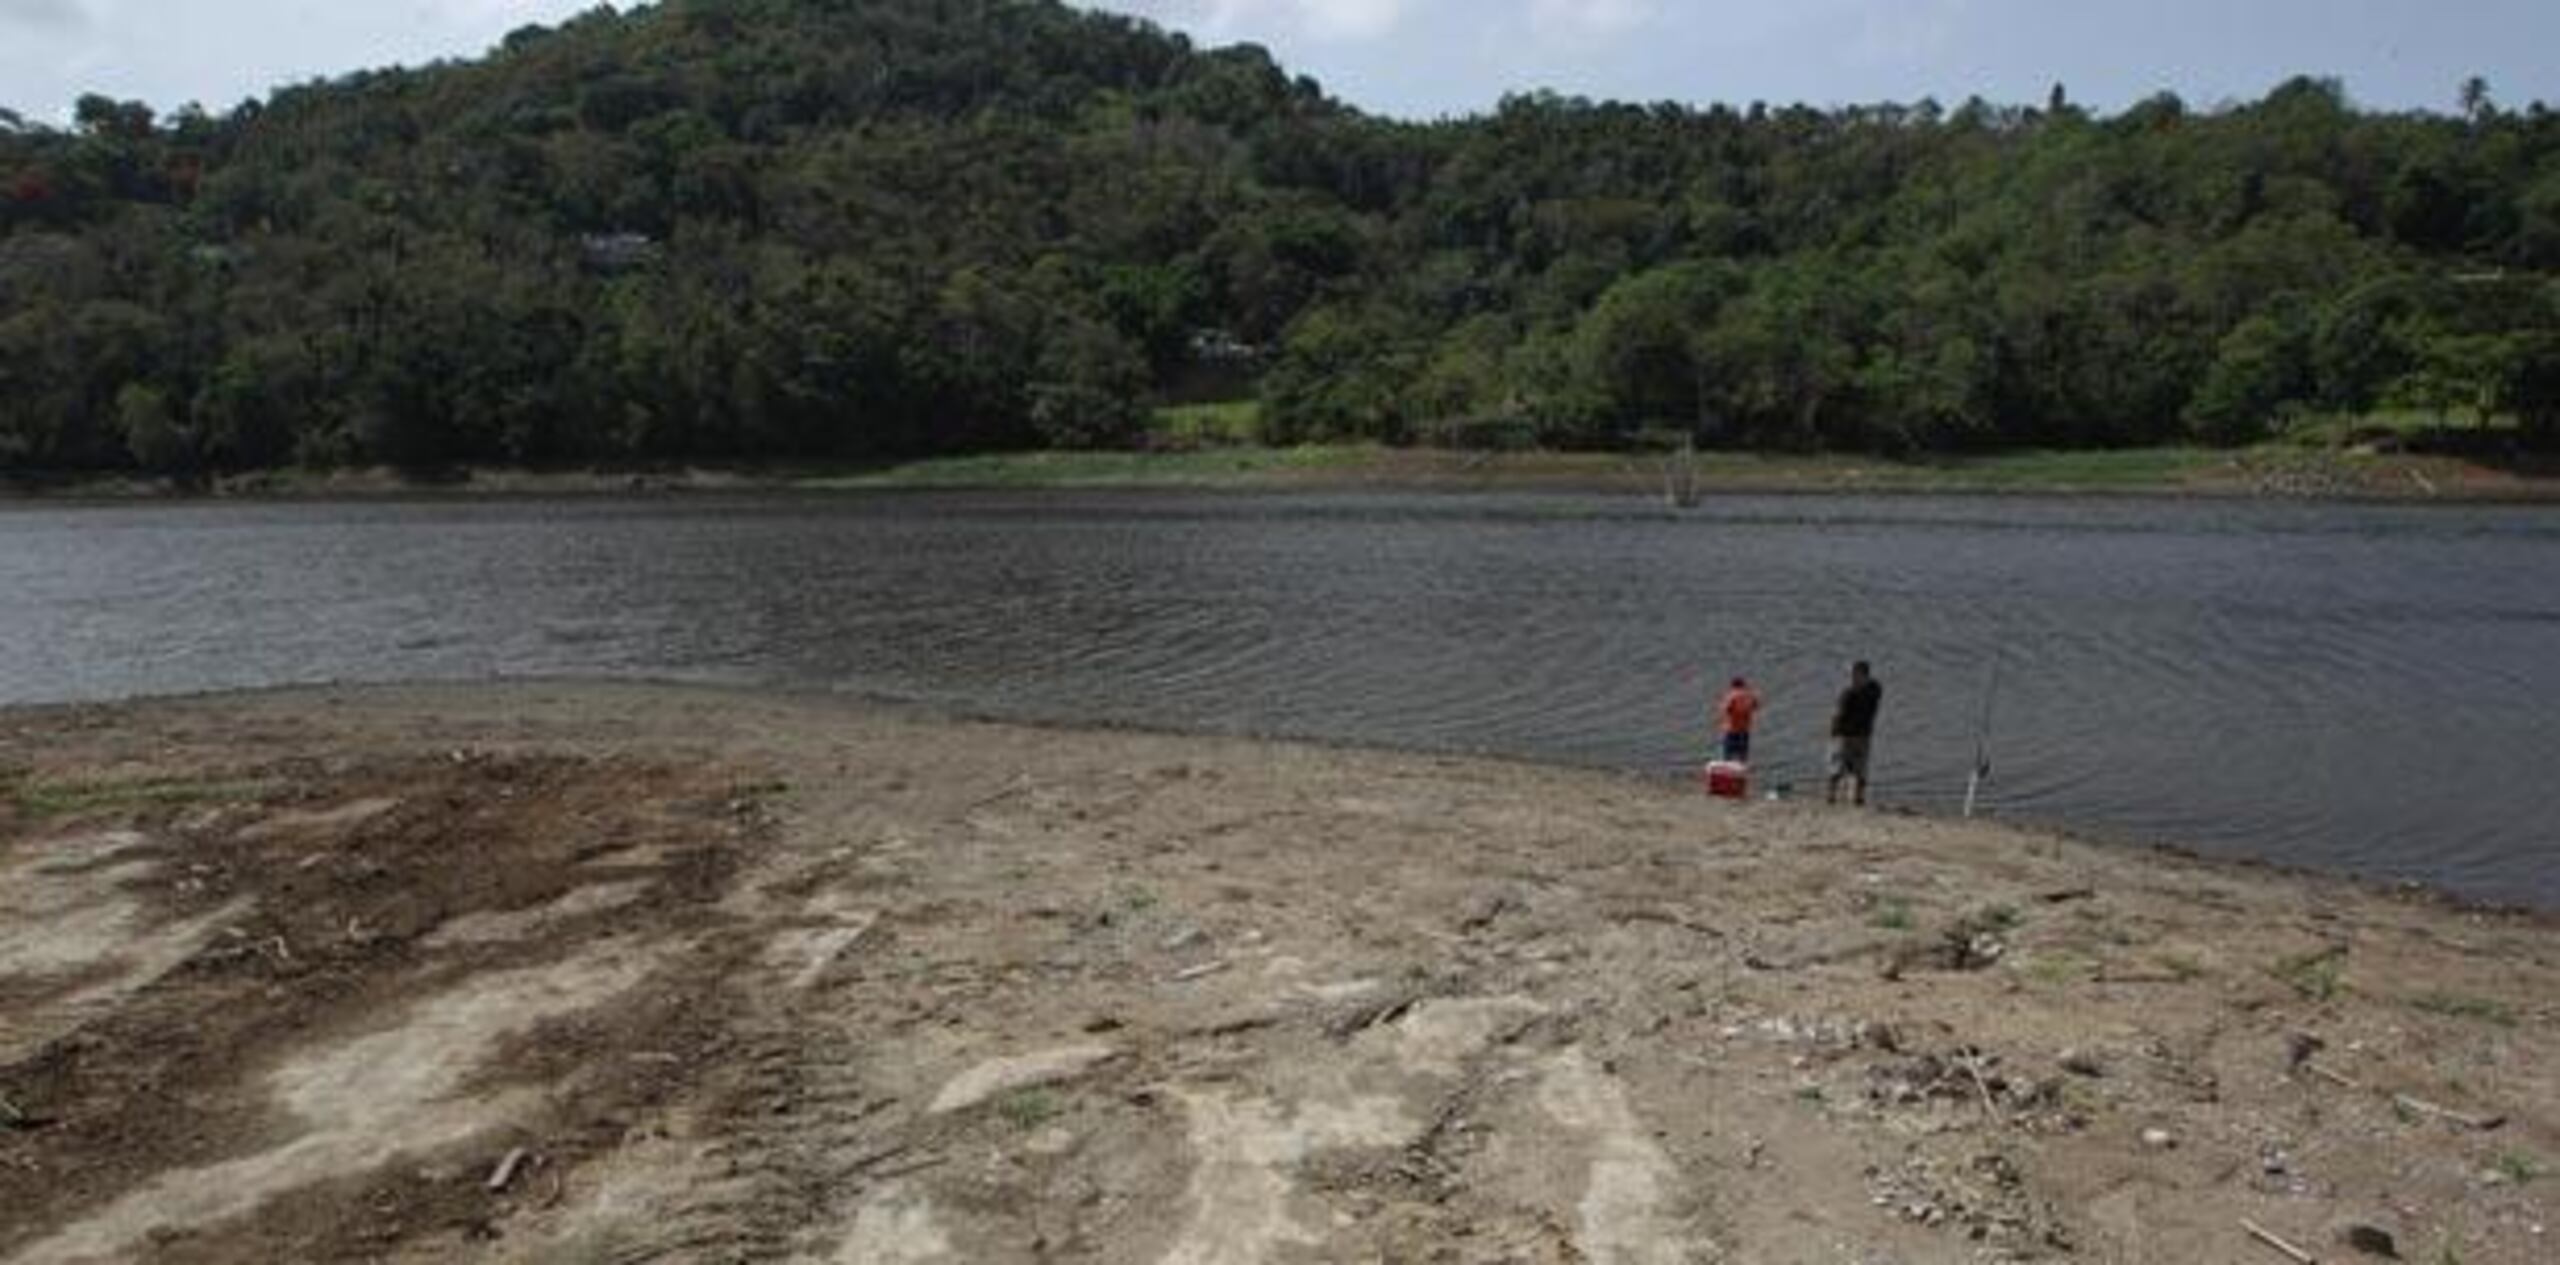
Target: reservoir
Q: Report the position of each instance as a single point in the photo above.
(2366, 688)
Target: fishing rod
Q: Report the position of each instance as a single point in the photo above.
(1982, 740)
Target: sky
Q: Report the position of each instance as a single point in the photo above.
(1426, 58)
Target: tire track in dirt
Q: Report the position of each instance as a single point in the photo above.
(261, 1019)
(1188, 1000)
(364, 1103)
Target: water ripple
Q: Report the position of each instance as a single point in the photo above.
(2359, 687)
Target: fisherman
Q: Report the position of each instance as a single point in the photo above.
(1853, 732)
(1740, 704)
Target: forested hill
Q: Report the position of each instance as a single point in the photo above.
(875, 228)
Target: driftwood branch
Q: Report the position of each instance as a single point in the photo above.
(2413, 1105)
(505, 1174)
(2464, 1118)
(1972, 1067)
(1021, 783)
(2268, 1237)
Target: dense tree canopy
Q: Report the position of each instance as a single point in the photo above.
(875, 228)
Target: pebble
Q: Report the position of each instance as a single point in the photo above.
(2158, 1139)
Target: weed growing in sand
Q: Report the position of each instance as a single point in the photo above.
(2518, 1167)
(61, 799)
(2059, 967)
(2459, 1006)
(2318, 975)
(1990, 920)
(1030, 1108)
(1893, 915)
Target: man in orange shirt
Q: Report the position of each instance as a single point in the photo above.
(1740, 704)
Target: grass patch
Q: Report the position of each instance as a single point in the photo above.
(2058, 967)
(1219, 445)
(1975, 941)
(2341, 430)
(2461, 1006)
(2518, 1167)
(2317, 976)
(62, 799)
(2109, 469)
(2094, 468)
(1029, 1108)
(1892, 915)
(1226, 425)
(1206, 467)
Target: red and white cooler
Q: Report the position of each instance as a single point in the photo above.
(1727, 779)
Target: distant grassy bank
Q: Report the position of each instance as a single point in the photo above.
(1215, 447)
(2267, 471)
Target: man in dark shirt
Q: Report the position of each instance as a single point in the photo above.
(1853, 732)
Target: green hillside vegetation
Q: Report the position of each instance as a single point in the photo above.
(872, 230)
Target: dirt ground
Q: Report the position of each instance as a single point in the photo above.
(598, 973)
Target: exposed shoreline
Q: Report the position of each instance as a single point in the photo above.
(871, 982)
(1681, 785)
(2270, 473)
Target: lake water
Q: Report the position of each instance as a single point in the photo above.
(2367, 688)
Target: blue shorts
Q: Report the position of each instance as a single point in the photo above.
(1737, 747)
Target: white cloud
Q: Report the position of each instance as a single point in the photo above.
(1588, 19)
(1316, 19)
(1913, 33)
(52, 15)
(1351, 19)
(471, 14)
(220, 51)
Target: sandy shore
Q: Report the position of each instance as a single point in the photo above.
(570, 972)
